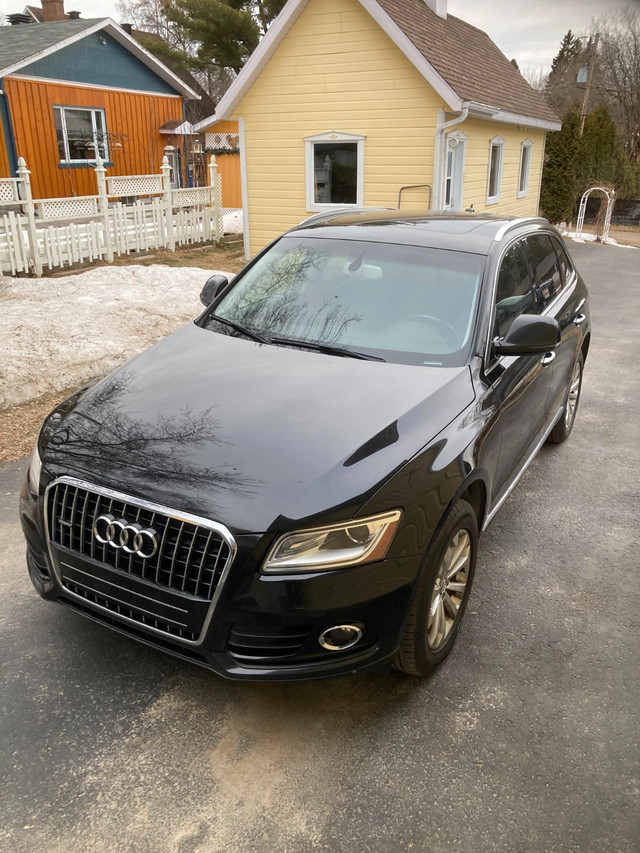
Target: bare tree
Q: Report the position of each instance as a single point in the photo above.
(536, 78)
(619, 71)
(149, 16)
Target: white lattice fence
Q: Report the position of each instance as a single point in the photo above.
(193, 196)
(68, 208)
(64, 231)
(9, 190)
(221, 140)
(130, 185)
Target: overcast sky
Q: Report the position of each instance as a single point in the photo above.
(528, 30)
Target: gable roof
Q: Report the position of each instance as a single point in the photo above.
(458, 60)
(466, 57)
(27, 43)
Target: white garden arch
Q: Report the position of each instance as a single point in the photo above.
(610, 195)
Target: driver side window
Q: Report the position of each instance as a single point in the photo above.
(514, 293)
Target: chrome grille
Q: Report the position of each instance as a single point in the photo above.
(190, 558)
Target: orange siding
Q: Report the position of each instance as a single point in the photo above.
(229, 171)
(228, 167)
(138, 116)
(222, 127)
(5, 169)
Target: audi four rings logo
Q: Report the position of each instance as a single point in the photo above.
(130, 537)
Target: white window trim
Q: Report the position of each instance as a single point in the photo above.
(333, 136)
(63, 121)
(527, 144)
(498, 143)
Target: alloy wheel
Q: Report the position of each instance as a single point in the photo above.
(574, 396)
(449, 589)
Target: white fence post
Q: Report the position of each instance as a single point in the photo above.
(103, 206)
(55, 232)
(168, 203)
(215, 182)
(27, 200)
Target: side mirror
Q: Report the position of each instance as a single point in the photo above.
(212, 288)
(529, 334)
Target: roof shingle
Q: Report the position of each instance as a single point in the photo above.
(466, 58)
(27, 40)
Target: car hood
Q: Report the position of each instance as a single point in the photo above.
(254, 436)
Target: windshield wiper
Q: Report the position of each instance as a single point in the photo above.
(327, 349)
(243, 331)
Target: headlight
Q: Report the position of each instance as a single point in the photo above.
(35, 466)
(361, 540)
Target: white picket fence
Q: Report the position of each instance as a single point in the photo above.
(58, 232)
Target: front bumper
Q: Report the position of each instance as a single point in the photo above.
(263, 628)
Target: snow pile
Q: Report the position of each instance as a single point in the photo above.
(57, 333)
(232, 222)
(586, 237)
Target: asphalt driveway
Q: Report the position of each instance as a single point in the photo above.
(525, 740)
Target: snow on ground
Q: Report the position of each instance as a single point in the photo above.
(57, 333)
(585, 237)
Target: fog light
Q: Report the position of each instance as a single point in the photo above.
(340, 637)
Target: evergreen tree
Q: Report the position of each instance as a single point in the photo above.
(267, 10)
(204, 35)
(569, 48)
(225, 32)
(561, 88)
(559, 177)
(602, 156)
(574, 163)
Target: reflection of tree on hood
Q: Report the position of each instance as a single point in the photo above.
(100, 428)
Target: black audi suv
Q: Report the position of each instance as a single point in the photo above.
(293, 485)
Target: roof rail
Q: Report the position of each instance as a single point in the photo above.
(514, 223)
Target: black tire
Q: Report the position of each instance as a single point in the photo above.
(423, 645)
(562, 430)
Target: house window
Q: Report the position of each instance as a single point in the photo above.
(335, 170)
(454, 170)
(81, 134)
(525, 168)
(495, 170)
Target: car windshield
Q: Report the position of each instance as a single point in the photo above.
(406, 304)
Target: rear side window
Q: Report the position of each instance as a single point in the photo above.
(548, 280)
(514, 294)
(566, 267)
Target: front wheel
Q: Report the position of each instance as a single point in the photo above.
(442, 594)
(563, 428)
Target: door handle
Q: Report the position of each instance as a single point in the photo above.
(579, 319)
(547, 358)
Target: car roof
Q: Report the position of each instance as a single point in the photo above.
(474, 233)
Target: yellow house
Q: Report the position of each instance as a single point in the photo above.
(381, 103)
